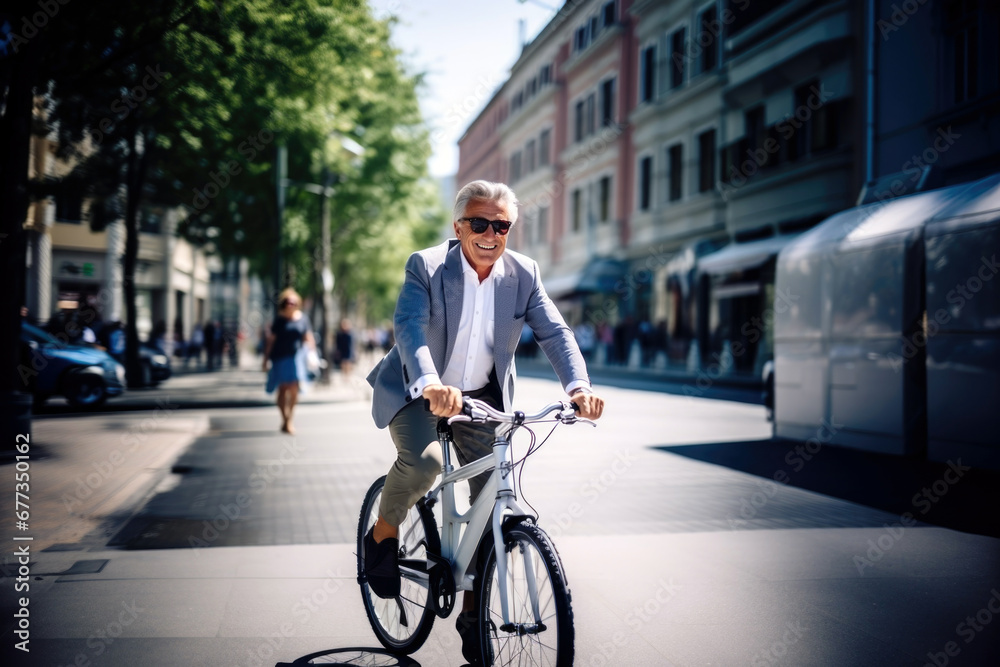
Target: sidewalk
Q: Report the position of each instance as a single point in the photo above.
(227, 387)
(666, 564)
(789, 597)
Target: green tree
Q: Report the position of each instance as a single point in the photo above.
(183, 102)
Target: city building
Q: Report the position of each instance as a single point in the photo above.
(70, 266)
(690, 141)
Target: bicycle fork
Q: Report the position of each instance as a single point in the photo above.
(506, 505)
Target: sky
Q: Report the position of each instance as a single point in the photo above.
(466, 48)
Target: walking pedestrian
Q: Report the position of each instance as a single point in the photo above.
(209, 334)
(290, 336)
(345, 348)
(195, 345)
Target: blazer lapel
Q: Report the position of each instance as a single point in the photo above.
(454, 287)
(505, 297)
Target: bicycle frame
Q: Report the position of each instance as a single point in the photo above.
(496, 500)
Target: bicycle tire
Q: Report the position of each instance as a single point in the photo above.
(392, 620)
(526, 543)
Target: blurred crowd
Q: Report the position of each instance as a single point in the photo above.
(630, 342)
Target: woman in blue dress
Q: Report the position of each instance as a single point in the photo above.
(287, 343)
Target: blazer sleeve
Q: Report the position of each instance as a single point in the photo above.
(553, 335)
(411, 321)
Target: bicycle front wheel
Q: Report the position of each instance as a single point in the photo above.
(540, 631)
(403, 623)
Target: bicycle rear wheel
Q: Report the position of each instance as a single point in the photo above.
(401, 624)
(541, 635)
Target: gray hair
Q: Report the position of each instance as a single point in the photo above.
(486, 191)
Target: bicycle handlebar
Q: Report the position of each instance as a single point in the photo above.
(474, 410)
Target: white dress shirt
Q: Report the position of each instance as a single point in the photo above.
(472, 357)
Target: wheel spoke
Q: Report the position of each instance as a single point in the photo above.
(531, 565)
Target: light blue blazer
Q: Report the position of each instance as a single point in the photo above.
(427, 316)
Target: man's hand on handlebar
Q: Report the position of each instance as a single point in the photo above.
(444, 401)
(591, 405)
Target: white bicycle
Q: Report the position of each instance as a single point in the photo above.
(522, 599)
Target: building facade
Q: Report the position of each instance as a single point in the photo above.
(69, 264)
(690, 141)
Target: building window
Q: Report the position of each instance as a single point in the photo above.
(515, 166)
(524, 230)
(675, 160)
(577, 209)
(608, 14)
(962, 22)
(542, 228)
(608, 103)
(69, 207)
(647, 74)
(517, 101)
(594, 28)
(544, 143)
(743, 14)
(753, 123)
(798, 146)
(545, 75)
(709, 27)
(645, 183)
(706, 161)
(578, 124)
(820, 131)
(582, 39)
(529, 157)
(591, 111)
(823, 130)
(677, 58)
(605, 193)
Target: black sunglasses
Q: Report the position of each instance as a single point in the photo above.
(479, 225)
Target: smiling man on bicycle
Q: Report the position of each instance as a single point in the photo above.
(458, 321)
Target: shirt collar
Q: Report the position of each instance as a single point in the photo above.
(496, 272)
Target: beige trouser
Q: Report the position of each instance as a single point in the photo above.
(418, 462)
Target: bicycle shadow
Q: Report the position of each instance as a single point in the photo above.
(374, 657)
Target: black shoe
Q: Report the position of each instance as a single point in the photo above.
(467, 626)
(382, 565)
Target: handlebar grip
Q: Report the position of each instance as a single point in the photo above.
(427, 405)
(576, 408)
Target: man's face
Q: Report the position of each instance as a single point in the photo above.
(482, 250)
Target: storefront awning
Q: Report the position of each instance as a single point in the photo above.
(559, 286)
(743, 256)
(599, 276)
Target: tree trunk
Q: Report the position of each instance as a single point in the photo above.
(15, 135)
(138, 161)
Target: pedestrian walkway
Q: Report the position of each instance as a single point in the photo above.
(666, 563)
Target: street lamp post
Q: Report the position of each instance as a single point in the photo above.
(325, 190)
(281, 172)
(326, 273)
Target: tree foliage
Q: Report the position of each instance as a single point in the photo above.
(184, 102)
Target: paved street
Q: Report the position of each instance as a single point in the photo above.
(215, 540)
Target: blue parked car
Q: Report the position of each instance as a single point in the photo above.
(87, 377)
